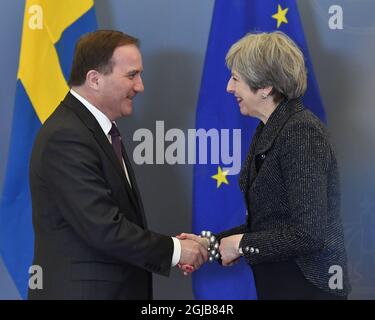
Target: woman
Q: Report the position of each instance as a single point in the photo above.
(293, 238)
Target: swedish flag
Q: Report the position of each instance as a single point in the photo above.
(50, 31)
(217, 201)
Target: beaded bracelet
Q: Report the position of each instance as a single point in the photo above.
(213, 247)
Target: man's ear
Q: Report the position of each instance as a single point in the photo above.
(93, 79)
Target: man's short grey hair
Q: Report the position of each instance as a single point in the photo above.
(269, 59)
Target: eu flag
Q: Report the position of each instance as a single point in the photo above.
(50, 31)
(217, 201)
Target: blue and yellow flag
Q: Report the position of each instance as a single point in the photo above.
(50, 31)
(217, 201)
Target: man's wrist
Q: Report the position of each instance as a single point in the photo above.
(176, 252)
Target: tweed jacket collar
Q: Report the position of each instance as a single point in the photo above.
(264, 137)
(275, 123)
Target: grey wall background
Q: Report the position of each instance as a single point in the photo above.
(174, 35)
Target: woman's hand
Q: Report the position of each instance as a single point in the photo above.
(229, 249)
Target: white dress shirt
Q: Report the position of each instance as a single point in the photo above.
(106, 126)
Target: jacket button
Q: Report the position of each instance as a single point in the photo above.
(247, 249)
(256, 250)
(251, 250)
(263, 156)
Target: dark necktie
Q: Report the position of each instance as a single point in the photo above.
(118, 147)
(125, 164)
(116, 142)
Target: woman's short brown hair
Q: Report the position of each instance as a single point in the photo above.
(269, 59)
(94, 51)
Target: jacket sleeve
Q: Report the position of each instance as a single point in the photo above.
(236, 230)
(304, 164)
(85, 200)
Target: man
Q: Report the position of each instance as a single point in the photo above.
(91, 236)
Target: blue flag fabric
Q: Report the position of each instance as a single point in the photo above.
(218, 208)
(45, 61)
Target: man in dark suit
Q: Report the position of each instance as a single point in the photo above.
(91, 236)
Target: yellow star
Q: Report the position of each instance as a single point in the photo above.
(280, 16)
(220, 177)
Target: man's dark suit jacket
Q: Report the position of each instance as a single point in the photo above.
(291, 186)
(91, 237)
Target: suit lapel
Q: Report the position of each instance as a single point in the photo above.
(133, 182)
(90, 122)
(276, 122)
(264, 138)
(248, 165)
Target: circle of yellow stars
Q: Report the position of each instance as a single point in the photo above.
(280, 16)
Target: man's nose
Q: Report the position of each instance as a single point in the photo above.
(138, 86)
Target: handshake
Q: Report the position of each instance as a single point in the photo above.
(197, 250)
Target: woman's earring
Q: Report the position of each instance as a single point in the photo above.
(264, 95)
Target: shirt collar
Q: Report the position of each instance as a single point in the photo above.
(102, 119)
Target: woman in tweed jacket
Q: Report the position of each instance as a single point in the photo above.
(293, 238)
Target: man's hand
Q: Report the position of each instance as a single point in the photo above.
(193, 253)
(188, 268)
(191, 236)
(229, 249)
